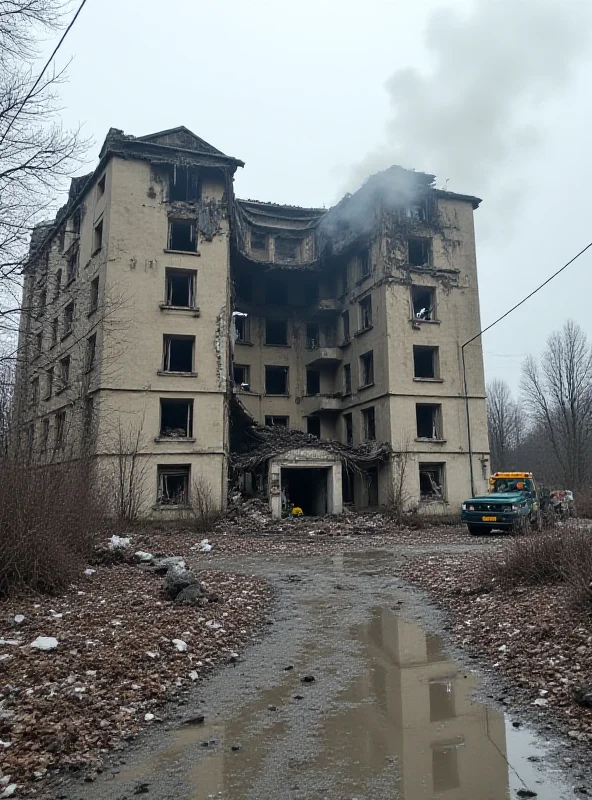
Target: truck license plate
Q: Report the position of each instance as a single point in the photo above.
(489, 519)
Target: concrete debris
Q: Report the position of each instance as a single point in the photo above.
(161, 565)
(143, 557)
(117, 542)
(45, 643)
(19, 619)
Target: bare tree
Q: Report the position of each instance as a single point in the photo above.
(400, 497)
(503, 422)
(36, 154)
(558, 394)
(127, 488)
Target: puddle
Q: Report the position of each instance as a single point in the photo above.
(405, 726)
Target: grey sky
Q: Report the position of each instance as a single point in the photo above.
(316, 93)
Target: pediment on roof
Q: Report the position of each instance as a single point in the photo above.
(180, 137)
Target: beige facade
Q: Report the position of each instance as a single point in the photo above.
(155, 295)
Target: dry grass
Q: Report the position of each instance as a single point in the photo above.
(561, 556)
(47, 521)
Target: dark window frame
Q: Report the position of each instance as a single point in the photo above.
(367, 369)
(169, 475)
(369, 423)
(187, 407)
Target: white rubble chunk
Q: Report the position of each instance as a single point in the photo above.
(88, 571)
(19, 618)
(142, 555)
(9, 791)
(180, 645)
(205, 546)
(13, 642)
(45, 643)
(118, 542)
(148, 717)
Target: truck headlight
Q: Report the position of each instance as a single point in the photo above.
(464, 506)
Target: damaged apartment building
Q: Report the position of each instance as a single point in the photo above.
(310, 355)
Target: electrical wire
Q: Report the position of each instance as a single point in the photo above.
(47, 63)
(528, 296)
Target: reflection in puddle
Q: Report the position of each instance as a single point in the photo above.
(404, 727)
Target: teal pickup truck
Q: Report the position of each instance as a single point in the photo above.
(513, 504)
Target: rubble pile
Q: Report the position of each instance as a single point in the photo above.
(82, 672)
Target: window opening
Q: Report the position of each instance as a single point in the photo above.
(176, 419)
(39, 343)
(423, 301)
(347, 379)
(347, 483)
(91, 351)
(419, 251)
(259, 242)
(184, 184)
(431, 481)
(365, 307)
(182, 235)
(173, 485)
(372, 486)
(312, 335)
(180, 287)
(428, 419)
(367, 368)
(58, 284)
(68, 318)
(364, 264)
(98, 237)
(101, 186)
(241, 377)
(55, 329)
(286, 249)
(313, 426)
(276, 380)
(49, 383)
(277, 421)
(60, 429)
(425, 361)
(34, 391)
(242, 327)
(349, 428)
(65, 371)
(345, 325)
(72, 263)
(369, 420)
(94, 294)
(313, 381)
(178, 353)
(276, 331)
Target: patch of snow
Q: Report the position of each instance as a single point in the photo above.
(89, 571)
(205, 546)
(152, 654)
(45, 643)
(148, 717)
(540, 701)
(117, 542)
(19, 618)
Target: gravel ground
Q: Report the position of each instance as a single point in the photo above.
(114, 664)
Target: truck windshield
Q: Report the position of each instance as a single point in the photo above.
(513, 485)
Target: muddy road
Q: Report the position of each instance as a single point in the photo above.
(349, 694)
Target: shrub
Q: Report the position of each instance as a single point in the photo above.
(47, 520)
(204, 510)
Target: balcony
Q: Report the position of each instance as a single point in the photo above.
(323, 403)
(322, 356)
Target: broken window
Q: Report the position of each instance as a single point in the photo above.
(65, 371)
(178, 353)
(312, 335)
(445, 770)
(369, 421)
(39, 343)
(367, 368)
(313, 381)
(423, 300)
(371, 478)
(44, 434)
(311, 291)
(286, 249)
(344, 280)
(278, 422)
(276, 331)
(431, 481)
(313, 426)
(419, 250)
(76, 221)
(173, 485)
(242, 328)
(349, 428)
(49, 383)
(425, 362)
(68, 318)
(442, 704)
(345, 325)
(180, 287)
(276, 380)
(184, 184)
(347, 483)
(241, 374)
(244, 287)
(98, 237)
(365, 306)
(429, 421)
(176, 419)
(72, 263)
(276, 291)
(60, 429)
(363, 264)
(347, 379)
(101, 186)
(259, 243)
(55, 329)
(34, 391)
(182, 235)
(91, 351)
(58, 284)
(94, 295)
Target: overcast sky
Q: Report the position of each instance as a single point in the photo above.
(492, 96)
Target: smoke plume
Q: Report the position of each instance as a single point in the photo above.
(476, 112)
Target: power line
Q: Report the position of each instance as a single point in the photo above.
(528, 296)
(47, 63)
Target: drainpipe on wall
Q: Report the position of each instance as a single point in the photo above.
(466, 393)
